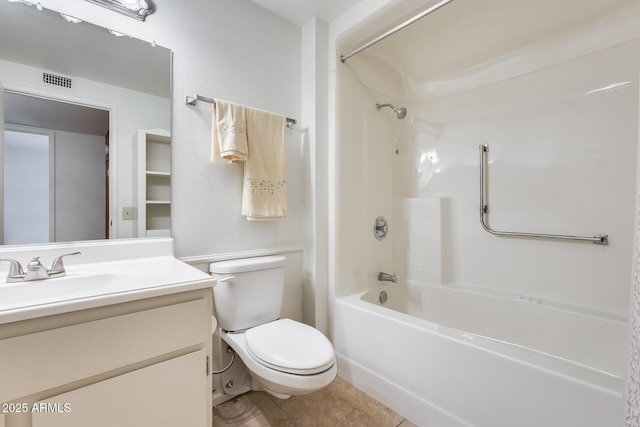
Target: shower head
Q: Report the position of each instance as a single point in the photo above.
(400, 111)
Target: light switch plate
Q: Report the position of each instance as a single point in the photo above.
(127, 213)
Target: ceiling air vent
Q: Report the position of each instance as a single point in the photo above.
(57, 80)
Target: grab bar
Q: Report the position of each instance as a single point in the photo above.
(600, 239)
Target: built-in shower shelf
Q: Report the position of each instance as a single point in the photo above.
(158, 202)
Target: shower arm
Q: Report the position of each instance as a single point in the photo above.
(400, 111)
(601, 239)
(381, 106)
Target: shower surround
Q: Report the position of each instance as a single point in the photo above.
(555, 96)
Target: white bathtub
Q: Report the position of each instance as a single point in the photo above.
(444, 356)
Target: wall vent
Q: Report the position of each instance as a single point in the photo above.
(58, 80)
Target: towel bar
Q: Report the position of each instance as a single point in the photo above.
(600, 239)
(193, 100)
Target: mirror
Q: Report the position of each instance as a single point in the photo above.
(90, 90)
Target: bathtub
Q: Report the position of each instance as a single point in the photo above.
(455, 356)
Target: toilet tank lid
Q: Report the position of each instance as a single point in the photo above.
(247, 264)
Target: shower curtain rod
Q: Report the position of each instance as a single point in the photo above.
(192, 100)
(343, 58)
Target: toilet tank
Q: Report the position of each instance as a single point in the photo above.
(248, 291)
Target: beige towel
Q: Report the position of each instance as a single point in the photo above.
(229, 132)
(264, 190)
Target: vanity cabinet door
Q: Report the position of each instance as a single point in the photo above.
(171, 393)
(34, 363)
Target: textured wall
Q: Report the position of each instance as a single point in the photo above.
(231, 50)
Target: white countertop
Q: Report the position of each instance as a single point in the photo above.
(99, 283)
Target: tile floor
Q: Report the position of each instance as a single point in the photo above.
(339, 404)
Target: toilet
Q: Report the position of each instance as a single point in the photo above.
(284, 357)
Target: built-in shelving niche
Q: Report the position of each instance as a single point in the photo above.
(153, 183)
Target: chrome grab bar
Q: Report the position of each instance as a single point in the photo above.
(600, 239)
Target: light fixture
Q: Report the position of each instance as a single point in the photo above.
(132, 4)
(137, 9)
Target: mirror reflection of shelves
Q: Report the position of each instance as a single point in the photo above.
(154, 183)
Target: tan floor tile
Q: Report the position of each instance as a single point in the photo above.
(339, 404)
(407, 423)
(274, 418)
(241, 409)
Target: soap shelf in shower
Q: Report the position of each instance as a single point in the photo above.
(600, 239)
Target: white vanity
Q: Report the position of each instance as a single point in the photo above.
(124, 339)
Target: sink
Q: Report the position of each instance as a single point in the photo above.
(72, 286)
(128, 271)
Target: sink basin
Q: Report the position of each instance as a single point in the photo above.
(96, 284)
(72, 286)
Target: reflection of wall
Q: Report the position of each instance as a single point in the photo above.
(80, 187)
(27, 188)
(133, 110)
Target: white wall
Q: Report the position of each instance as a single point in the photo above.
(231, 50)
(365, 158)
(561, 162)
(315, 151)
(225, 49)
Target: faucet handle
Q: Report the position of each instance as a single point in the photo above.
(15, 269)
(34, 264)
(58, 265)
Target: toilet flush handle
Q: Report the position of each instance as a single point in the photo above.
(229, 279)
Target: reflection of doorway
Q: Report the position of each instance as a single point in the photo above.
(79, 194)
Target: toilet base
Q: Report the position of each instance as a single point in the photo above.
(255, 385)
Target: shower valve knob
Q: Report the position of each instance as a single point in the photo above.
(380, 228)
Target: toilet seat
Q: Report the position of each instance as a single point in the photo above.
(291, 347)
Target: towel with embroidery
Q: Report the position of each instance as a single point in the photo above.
(264, 189)
(229, 132)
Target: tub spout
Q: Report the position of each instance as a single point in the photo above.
(384, 277)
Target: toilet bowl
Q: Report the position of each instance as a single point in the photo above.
(284, 357)
(300, 365)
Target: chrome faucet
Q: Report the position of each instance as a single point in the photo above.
(384, 277)
(35, 270)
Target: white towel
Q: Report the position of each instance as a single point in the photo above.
(264, 190)
(229, 132)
